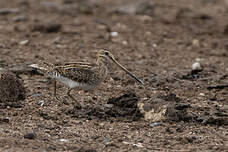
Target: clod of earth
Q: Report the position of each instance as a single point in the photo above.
(30, 135)
(46, 28)
(12, 91)
(121, 108)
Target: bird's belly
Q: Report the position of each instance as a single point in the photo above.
(73, 84)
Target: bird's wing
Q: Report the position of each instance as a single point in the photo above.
(76, 65)
(81, 73)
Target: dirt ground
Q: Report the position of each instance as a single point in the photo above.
(158, 40)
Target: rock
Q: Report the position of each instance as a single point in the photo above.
(30, 135)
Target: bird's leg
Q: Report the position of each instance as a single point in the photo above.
(54, 88)
(55, 95)
(68, 93)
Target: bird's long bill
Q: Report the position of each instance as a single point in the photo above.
(128, 72)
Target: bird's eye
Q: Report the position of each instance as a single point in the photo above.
(106, 53)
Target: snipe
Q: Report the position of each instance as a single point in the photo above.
(80, 75)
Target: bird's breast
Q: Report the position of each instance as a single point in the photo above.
(74, 84)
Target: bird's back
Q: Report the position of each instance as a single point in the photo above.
(76, 75)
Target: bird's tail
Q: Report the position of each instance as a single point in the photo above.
(43, 67)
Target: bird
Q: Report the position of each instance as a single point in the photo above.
(82, 75)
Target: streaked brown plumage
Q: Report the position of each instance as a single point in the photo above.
(80, 75)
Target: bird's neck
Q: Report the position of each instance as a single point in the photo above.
(103, 67)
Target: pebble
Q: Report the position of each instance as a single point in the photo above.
(196, 66)
(155, 45)
(36, 95)
(155, 124)
(114, 34)
(138, 145)
(108, 105)
(63, 140)
(101, 124)
(124, 43)
(195, 43)
(24, 42)
(202, 94)
(30, 135)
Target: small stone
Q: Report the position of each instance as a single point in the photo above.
(108, 105)
(196, 66)
(155, 124)
(124, 43)
(155, 45)
(36, 95)
(195, 43)
(202, 94)
(24, 42)
(63, 140)
(114, 34)
(101, 124)
(30, 135)
(138, 145)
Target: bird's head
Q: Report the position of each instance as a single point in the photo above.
(104, 57)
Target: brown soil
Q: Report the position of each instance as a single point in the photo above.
(157, 40)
